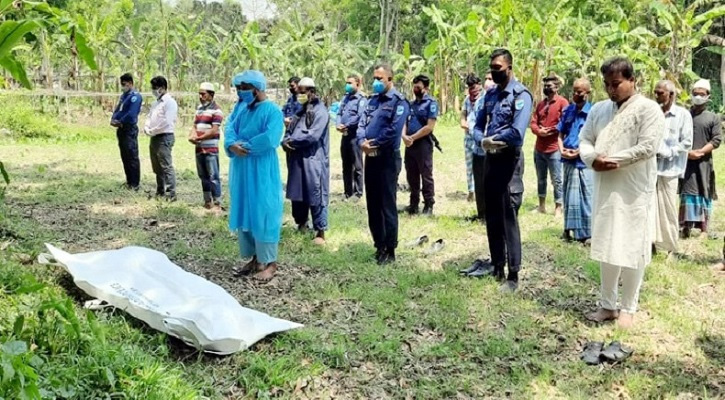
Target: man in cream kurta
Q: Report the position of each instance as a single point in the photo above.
(619, 141)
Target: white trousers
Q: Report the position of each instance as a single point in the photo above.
(667, 213)
(631, 283)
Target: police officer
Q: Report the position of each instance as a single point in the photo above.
(352, 107)
(292, 106)
(500, 128)
(125, 119)
(379, 135)
(419, 146)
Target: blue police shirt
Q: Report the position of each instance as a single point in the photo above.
(505, 115)
(383, 120)
(128, 108)
(570, 124)
(351, 109)
(291, 107)
(420, 112)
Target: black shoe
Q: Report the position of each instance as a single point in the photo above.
(387, 257)
(498, 274)
(412, 210)
(170, 198)
(428, 210)
(476, 265)
(482, 271)
(379, 253)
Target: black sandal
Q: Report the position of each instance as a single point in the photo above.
(591, 353)
(616, 352)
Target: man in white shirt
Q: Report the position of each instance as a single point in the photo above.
(671, 163)
(160, 126)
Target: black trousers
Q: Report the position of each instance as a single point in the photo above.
(381, 182)
(479, 171)
(352, 165)
(502, 225)
(419, 166)
(127, 136)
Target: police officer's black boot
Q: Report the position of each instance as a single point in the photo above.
(387, 258)
(428, 210)
(498, 273)
(412, 210)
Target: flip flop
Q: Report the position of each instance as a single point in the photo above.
(246, 269)
(418, 242)
(616, 352)
(592, 352)
(437, 246)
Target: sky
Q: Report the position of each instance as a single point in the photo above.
(253, 9)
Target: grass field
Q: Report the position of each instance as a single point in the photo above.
(412, 330)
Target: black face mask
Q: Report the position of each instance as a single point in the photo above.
(548, 91)
(418, 93)
(499, 76)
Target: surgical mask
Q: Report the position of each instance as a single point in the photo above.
(499, 76)
(302, 98)
(548, 91)
(156, 93)
(700, 100)
(349, 89)
(378, 86)
(246, 96)
(126, 89)
(488, 84)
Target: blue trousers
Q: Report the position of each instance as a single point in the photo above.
(128, 144)
(207, 168)
(249, 247)
(302, 210)
(551, 163)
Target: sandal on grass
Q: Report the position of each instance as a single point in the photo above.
(246, 269)
(591, 353)
(616, 352)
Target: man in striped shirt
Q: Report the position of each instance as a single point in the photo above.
(205, 135)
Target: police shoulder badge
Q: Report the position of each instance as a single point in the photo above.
(519, 104)
(433, 107)
(133, 99)
(400, 110)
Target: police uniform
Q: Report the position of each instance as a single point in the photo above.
(382, 123)
(351, 108)
(126, 112)
(504, 117)
(419, 156)
(291, 107)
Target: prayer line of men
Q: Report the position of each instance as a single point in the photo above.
(620, 159)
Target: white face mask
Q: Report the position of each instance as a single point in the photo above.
(156, 93)
(700, 100)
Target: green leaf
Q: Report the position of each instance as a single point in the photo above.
(406, 50)
(624, 25)
(15, 348)
(431, 49)
(11, 32)
(84, 52)
(18, 325)
(110, 377)
(709, 15)
(16, 69)
(8, 370)
(716, 49)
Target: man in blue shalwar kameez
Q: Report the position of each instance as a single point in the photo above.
(251, 139)
(307, 143)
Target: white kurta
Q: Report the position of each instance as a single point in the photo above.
(623, 218)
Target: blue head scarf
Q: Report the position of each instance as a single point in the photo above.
(237, 80)
(254, 78)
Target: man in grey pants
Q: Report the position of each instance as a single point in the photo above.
(160, 126)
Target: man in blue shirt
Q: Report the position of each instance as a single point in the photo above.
(292, 106)
(125, 120)
(352, 107)
(378, 136)
(577, 177)
(500, 128)
(419, 146)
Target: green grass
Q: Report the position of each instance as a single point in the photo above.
(414, 329)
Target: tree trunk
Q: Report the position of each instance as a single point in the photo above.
(75, 73)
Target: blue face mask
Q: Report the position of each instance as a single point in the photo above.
(378, 86)
(348, 88)
(246, 96)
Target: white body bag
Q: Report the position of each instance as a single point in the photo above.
(147, 285)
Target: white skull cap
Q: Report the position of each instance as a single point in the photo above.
(207, 87)
(306, 82)
(702, 84)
